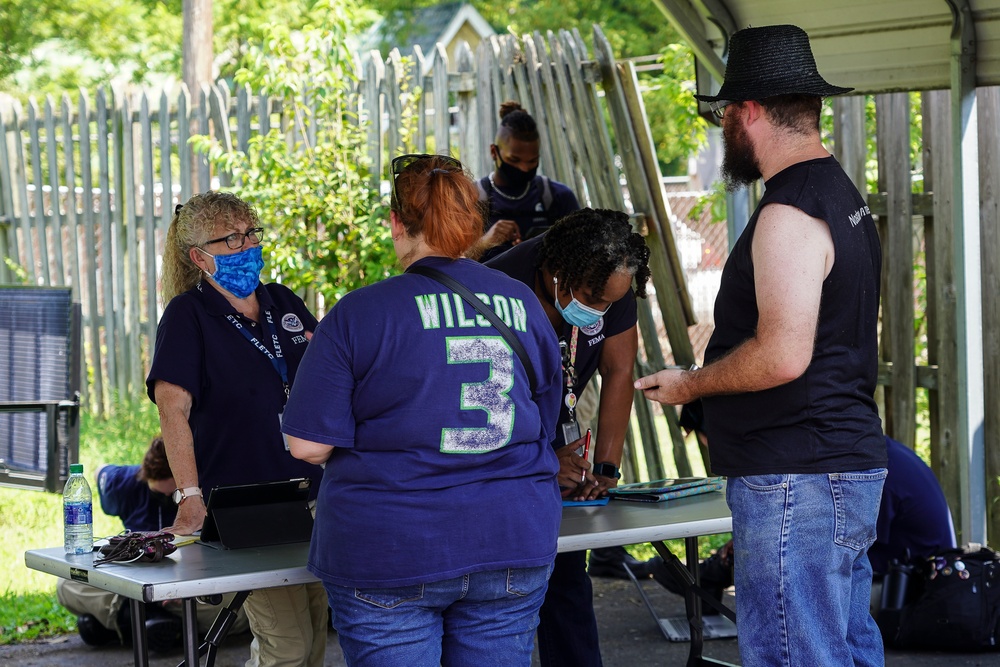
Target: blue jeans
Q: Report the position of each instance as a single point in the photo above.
(803, 581)
(484, 618)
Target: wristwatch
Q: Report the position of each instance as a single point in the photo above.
(607, 470)
(180, 495)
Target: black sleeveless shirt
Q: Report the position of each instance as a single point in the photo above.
(826, 420)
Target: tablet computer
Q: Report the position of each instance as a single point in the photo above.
(256, 515)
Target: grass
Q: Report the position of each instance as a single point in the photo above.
(33, 519)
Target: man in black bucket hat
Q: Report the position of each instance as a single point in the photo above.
(791, 369)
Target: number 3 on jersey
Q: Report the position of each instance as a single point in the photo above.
(489, 395)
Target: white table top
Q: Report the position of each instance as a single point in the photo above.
(195, 570)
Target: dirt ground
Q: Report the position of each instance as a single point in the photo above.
(629, 638)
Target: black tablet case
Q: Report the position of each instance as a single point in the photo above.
(257, 515)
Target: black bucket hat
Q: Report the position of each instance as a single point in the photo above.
(768, 61)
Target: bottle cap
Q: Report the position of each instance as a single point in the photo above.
(75, 468)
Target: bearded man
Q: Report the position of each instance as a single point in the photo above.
(791, 369)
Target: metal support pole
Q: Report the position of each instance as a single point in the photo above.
(968, 272)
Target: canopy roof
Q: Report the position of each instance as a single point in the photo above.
(871, 45)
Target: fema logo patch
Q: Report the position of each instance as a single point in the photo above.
(594, 328)
(291, 322)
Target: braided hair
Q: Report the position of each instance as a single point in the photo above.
(587, 246)
(516, 123)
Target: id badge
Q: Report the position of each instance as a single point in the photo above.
(570, 431)
(284, 438)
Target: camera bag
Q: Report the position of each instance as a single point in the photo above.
(956, 606)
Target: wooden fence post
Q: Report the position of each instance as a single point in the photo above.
(897, 304)
(8, 174)
(941, 298)
(90, 248)
(989, 211)
(55, 218)
(471, 146)
(39, 206)
(442, 115)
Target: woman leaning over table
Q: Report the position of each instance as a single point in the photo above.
(438, 513)
(227, 350)
(582, 271)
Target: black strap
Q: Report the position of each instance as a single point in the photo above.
(494, 319)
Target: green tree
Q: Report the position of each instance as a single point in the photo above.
(325, 222)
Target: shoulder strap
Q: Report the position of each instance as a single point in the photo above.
(474, 301)
(546, 193)
(481, 185)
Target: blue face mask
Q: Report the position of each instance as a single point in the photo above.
(577, 314)
(239, 273)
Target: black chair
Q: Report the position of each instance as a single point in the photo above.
(40, 329)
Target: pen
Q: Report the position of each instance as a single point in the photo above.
(586, 453)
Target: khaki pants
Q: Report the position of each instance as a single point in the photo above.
(82, 599)
(289, 626)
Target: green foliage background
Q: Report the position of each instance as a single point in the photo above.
(50, 47)
(325, 221)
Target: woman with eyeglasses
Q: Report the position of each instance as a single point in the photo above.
(582, 271)
(227, 351)
(439, 511)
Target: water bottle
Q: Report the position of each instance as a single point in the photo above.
(78, 516)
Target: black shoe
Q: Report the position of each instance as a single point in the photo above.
(92, 632)
(607, 562)
(164, 634)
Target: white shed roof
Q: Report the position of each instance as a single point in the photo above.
(871, 45)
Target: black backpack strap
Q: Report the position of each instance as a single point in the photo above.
(488, 313)
(546, 193)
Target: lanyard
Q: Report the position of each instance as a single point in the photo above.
(569, 371)
(277, 359)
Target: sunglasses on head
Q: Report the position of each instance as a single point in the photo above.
(403, 162)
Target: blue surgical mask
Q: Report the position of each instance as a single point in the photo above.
(577, 314)
(239, 273)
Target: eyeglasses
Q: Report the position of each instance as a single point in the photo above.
(718, 107)
(237, 240)
(403, 162)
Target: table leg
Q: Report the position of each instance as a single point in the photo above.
(216, 634)
(140, 653)
(690, 579)
(692, 603)
(220, 628)
(190, 624)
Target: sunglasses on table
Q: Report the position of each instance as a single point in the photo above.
(401, 163)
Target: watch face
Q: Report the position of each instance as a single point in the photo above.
(606, 470)
(177, 496)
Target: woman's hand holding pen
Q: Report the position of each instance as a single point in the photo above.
(572, 469)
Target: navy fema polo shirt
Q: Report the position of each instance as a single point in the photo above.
(236, 391)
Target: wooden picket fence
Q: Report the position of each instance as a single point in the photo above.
(87, 189)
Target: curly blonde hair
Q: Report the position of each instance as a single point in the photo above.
(191, 226)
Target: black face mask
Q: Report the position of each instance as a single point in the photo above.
(162, 500)
(513, 178)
